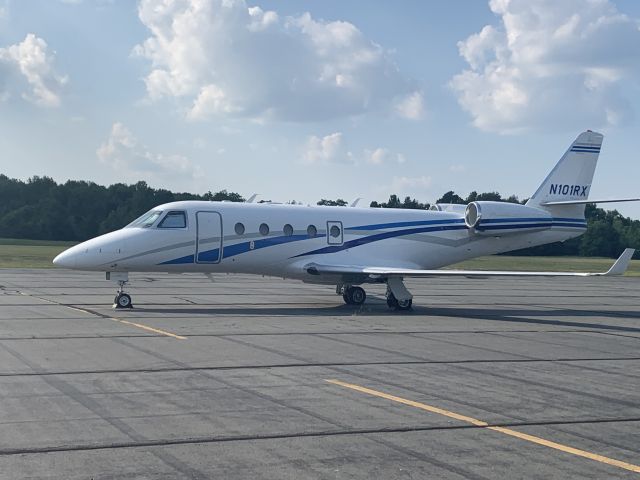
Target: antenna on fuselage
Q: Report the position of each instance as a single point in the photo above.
(252, 198)
(355, 202)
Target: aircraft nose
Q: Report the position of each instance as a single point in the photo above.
(66, 259)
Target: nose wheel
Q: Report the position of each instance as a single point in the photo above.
(122, 300)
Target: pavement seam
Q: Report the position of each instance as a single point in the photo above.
(284, 435)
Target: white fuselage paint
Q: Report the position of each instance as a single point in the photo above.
(371, 236)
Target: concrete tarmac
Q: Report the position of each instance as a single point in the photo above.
(251, 377)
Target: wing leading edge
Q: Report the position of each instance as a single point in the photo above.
(618, 268)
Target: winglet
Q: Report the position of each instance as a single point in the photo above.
(622, 263)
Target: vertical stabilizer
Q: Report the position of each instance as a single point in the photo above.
(571, 178)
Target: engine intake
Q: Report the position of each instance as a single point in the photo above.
(498, 218)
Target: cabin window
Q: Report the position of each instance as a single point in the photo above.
(239, 228)
(174, 220)
(312, 231)
(264, 229)
(146, 220)
(287, 230)
(334, 233)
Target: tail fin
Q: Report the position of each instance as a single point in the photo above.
(571, 178)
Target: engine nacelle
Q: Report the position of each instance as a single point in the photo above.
(499, 218)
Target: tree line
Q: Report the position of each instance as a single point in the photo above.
(42, 209)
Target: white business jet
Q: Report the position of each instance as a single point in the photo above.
(348, 247)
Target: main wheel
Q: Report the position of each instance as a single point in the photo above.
(123, 300)
(357, 295)
(396, 304)
(404, 304)
(392, 301)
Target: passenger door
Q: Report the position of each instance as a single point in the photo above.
(208, 237)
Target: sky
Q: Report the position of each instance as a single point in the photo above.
(302, 100)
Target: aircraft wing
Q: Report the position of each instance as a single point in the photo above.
(618, 268)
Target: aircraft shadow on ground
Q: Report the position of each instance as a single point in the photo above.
(557, 317)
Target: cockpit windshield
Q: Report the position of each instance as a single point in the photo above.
(146, 220)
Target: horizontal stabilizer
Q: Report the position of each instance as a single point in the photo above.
(583, 202)
(618, 268)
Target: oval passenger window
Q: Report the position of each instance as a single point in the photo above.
(334, 231)
(239, 228)
(287, 230)
(312, 231)
(264, 229)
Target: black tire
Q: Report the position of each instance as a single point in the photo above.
(123, 300)
(406, 305)
(392, 301)
(346, 297)
(357, 295)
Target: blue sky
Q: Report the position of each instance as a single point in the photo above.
(299, 100)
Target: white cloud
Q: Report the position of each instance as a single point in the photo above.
(457, 168)
(411, 106)
(381, 155)
(31, 61)
(221, 57)
(123, 152)
(549, 65)
(328, 149)
(410, 184)
(331, 149)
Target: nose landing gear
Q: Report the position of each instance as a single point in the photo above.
(122, 299)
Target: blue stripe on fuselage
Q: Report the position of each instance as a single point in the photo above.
(178, 261)
(380, 236)
(378, 226)
(433, 226)
(238, 248)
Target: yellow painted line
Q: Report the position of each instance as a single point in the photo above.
(138, 325)
(126, 322)
(480, 423)
(76, 309)
(150, 329)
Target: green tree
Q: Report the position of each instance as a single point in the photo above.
(223, 195)
(333, 203)
(451, 197)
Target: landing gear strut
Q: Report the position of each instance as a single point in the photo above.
(398, 297)
(352, 295)
(122, 299)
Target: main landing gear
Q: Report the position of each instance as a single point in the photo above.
(398, 297)
(396, 304)
(352, 295)
(122, 299)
